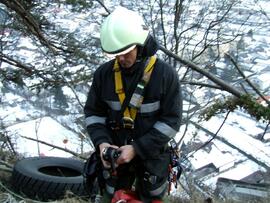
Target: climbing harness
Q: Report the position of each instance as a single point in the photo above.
(137, 97)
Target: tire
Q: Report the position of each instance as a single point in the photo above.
(48, 178)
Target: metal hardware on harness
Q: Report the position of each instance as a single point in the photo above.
(137, 97)
(128, 123)
(173, 144)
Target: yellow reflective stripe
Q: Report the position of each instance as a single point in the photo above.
(119, 84)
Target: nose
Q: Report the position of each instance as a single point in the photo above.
(121, 57)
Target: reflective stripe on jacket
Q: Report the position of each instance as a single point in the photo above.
(158, 119)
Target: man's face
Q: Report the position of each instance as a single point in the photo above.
(127, 60)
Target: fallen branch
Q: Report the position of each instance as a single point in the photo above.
(245, 102)
(54, 146)
(240, 100)
(210, 76)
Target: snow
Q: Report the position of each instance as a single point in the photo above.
(233, 134)
(50, 131)
(240, 130)
(235, 172)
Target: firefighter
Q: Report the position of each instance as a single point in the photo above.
(134, 107)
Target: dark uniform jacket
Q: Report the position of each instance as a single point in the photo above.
(158, 119)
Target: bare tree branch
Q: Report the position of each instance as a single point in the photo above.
(102, 4)
(212, 138)
(57, 147)
(265, 130)
(201, 84)
(247, 80)
(29, 21)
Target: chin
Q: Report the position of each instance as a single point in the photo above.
(126, 65)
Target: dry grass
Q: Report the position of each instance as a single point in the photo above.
(12, 198)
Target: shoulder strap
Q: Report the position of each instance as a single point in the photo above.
(137, 97)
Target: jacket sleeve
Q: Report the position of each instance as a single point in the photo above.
(168, 122)
(96, 114)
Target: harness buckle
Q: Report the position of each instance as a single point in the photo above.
(128, 123)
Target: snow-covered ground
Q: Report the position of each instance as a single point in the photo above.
(50, 131)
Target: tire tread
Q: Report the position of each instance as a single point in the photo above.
(35, 187)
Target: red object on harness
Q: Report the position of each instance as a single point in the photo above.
(122, 196)
(127, 196)
(157, 201)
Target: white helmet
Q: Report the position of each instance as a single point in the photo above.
(121, 31)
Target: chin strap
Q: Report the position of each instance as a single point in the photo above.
(137, 97)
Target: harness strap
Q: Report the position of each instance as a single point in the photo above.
(130, 113)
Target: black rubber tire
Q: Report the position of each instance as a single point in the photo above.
(48, 178)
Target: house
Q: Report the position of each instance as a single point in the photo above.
(241, 190)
